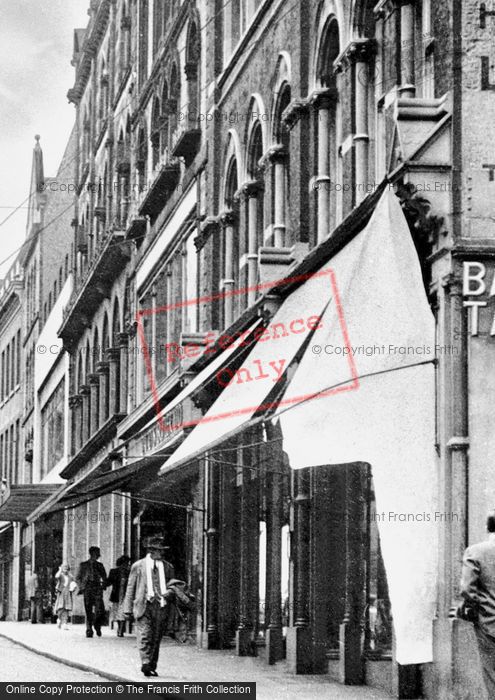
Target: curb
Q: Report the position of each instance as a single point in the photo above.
(68, 662)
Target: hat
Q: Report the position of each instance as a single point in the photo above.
(155, 542)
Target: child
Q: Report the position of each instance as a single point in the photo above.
(65, 587)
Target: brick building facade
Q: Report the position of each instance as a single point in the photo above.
(223, 146)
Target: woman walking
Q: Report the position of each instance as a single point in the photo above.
(117, 578)
(65, 587)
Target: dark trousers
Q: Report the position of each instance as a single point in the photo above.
(36, 609)
(149, 630)
(486, 646)
(94, 608)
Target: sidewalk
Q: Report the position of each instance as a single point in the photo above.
(117, 659)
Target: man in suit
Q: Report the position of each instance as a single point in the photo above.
(146, 598)
(91, 580)
(478, 590)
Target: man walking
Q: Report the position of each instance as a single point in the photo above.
(478, 590)
(91, 580)
(146, 598)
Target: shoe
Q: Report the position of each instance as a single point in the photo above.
(66, 627)
(146, 670)
(153, 673)
(89, 633)
(98, 631)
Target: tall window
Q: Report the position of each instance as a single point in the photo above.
(155, 133)
(255, 210)
(281, 172)
(142, 159)
(143, 42)
(52, 430)
(328, 132)
(230, 253)
(164, 123)
(175, 97)
(192, 70)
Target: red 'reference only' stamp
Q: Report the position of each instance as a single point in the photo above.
(273, 347)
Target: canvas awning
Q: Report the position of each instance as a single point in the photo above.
(23, 499)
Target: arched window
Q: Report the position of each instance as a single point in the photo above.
(191, 68)
(104, 379)
(155, 133)
(143, 42)
(230, 244)
(328, 133)
(114, 377)
(158, 15)
(142, 159)
(281, 171)
(164, 125)
(174, 99)
(255, 209)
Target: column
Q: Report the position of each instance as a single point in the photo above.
(351, 664)
(247, 573)
(252, 190)
(299, 637)
(212, 638)
(407, 88)
(323, 101)
(278, 158)
(274, 636)
(102, 369)
(124, 359)
(113, 356)
(361, 53)
(94, 422)
(85, 411)
(75, 402)
(228, 220)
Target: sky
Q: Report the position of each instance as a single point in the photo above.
(36, 39)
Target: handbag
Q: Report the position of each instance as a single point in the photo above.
(468, 611)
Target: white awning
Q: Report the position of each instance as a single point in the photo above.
(246, 391)
(386, 416)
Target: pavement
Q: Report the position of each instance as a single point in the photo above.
(116, 659)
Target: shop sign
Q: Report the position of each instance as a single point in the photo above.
(478, 291)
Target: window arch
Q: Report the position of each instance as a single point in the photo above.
(229, 253)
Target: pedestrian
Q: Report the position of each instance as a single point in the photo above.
(91, 581)
(35, 599)
(65, 586)
(146, 598)
(117, 579)
(478, 591)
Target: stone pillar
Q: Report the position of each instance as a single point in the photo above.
(124, 365)
(351, 666)
(94, 422)
(252, 190)
(228, 222)
(212, 636)
(323, 101)
(244, 632)
(274, 637)
(361, 53)
(75, 402)
(113, 356)
(299, 637)
(102, 371)
(278, 158)
(85, 413)
(407, 88)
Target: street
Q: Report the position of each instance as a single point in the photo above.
(20, 665)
